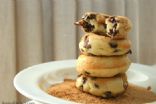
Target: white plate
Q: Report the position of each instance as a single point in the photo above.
(33, 81)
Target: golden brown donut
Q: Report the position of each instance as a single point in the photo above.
(102, 66)
(104, 87)
(116, 27)
(103, 46)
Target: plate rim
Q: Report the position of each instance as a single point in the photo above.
(62, 101)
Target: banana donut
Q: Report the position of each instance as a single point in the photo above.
(103, 87)
(116, 27)
(102, 66)
(94, 44)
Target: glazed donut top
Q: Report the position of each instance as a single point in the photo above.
(103, 24)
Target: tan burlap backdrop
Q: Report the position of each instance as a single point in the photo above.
(36, 31)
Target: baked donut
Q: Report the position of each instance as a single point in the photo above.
(102, 66)
(94, 44)
(104, 87)
(116, 27)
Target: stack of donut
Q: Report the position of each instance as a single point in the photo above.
(103, 60)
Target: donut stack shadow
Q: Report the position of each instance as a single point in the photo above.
(103, 61)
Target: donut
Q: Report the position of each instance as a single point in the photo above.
(103, 87)
(102, 66)
(94, 44)
(116, 27)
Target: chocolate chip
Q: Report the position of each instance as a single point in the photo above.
(96, 85)
(107, 94)
(81, 87)
(130, 51)
(86, 37)
(91, 16)
(86, 43)
(88, 27)
(149, 88)
(81, 50)
(110, 31)
(84, 80)
(87, 73)
(88, 46)
(113, 32)
(115, 25)
(105, 26)
(125, 85)
(112, 19)
(79, 75)
(113, 44)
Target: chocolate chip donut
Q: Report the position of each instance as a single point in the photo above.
(102, 66)
(103, 46)
(116, 27)
(104, 87)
